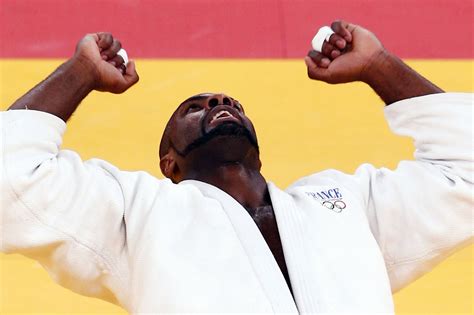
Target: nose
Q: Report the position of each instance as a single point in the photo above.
(219, 99)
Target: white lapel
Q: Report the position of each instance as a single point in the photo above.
(266, 268)
(292, 226)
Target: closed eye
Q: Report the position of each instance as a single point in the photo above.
(238, 106)
(193, 108)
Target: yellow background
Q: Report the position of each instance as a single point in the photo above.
(303, 127)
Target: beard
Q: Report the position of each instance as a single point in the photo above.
(226, 129)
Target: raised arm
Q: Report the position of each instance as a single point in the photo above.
(420, 212)
(94, 66)
(65, 213)
(355, 54)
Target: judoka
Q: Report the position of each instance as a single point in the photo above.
(216, 236)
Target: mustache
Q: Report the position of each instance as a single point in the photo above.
(226, 129)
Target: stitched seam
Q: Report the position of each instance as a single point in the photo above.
(123, 282)
(291, 215)
(120, 185)
(416, 258)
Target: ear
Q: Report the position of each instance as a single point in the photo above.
(257, 164)
(168, 166)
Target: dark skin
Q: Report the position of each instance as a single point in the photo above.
(229, 160)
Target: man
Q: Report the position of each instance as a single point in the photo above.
(216, 236)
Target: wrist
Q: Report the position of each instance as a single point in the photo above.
(61, 92)
(376, 68)
(84, 73)
(393, 80)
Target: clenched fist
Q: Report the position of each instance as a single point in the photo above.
(94, 66)
(346, 56)
(97, 53)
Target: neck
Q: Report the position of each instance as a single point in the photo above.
(244, 184)
(231, 164)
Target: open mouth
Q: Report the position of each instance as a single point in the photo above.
(221, 114)
(222, 121)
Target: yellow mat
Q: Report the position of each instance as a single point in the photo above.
(303, 127)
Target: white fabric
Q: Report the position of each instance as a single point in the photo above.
(323, 34)
(123, 53)
(153, 246)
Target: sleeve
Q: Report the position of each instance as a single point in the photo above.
(422, 211)
(65, 213)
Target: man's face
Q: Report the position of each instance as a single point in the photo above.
(209, 125)
(205, 116)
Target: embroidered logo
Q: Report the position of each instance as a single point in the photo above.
(331, 199)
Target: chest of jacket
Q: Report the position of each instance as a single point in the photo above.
(197, 250)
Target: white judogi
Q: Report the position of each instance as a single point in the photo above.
(153, 246)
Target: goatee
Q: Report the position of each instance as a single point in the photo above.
(231, 129)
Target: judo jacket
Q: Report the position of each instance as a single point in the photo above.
(152, 246)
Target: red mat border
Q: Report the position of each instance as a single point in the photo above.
(232, 29)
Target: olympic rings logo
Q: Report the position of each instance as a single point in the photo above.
(335, 206)
(330, 199)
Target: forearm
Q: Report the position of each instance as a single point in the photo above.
(61, 92)
(393, 80)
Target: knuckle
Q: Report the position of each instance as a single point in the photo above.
(108, 53)
(336, 23)
(327, 48)
(315, 56)
(335, 53)
(107, 38)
